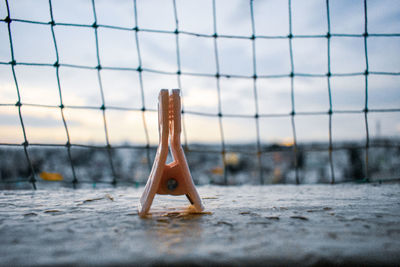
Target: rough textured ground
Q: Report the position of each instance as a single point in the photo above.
(309, 224)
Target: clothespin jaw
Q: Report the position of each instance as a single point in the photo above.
(173, 178)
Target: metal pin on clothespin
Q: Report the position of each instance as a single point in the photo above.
(173, 178)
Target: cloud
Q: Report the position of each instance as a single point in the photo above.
(38, 85)
(40, 122)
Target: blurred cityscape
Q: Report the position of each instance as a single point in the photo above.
(92, 165)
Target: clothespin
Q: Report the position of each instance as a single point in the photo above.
(173, 178)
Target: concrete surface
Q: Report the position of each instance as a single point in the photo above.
(344, 224)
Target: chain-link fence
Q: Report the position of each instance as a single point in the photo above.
(259, 155)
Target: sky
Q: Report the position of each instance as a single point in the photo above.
(33, 43)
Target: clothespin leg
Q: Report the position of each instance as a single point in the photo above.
(161, 156)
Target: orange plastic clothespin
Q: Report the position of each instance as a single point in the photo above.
(173, 178)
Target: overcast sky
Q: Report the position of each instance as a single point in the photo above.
(117, 48)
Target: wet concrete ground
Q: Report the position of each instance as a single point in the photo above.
(261, 225)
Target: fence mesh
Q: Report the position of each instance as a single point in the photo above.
(260, 150)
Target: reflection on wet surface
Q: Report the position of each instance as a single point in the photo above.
(174, 230)
(176, 233)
